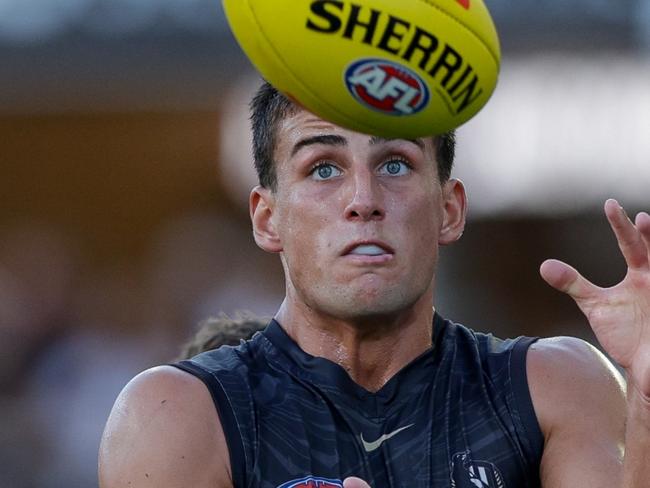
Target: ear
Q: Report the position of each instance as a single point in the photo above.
(261, 206)
(454, 211)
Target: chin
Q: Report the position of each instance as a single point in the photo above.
(368, 303)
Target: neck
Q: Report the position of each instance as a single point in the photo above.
(372, 348)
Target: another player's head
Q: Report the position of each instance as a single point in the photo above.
(356, 219)
(223, 330)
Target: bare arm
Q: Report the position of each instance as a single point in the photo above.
(620, 318)
(164, 432)
(579, 399)
(637, 440)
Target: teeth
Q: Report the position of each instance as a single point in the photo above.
(368, 250)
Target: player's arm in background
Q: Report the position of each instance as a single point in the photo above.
(164, 432)
(579, 398)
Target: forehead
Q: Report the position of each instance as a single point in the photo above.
(297, 125)
(302, 124)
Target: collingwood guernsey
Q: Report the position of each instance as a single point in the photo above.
(460, 415)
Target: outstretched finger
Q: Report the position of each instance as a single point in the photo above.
(630, 240)
(642, 223)
(566, 279)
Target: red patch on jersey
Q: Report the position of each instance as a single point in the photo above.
(464, 4)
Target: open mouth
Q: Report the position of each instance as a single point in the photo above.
(367, 250)
(370, 249)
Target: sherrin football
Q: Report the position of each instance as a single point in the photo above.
(393, 68)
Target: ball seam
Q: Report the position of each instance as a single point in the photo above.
(492, 53)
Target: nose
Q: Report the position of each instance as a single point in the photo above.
(365, 200)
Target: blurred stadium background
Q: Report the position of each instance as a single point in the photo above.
(125, 169)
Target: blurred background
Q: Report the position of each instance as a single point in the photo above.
(125, 170)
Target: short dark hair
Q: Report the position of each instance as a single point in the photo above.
(222, 331)
(269, 107)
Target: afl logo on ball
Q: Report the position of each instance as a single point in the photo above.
(387, 87)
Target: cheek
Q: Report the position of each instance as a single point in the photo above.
(422, 226)
(303, 231)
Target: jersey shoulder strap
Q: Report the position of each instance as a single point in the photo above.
(224, 371)
(504, 362)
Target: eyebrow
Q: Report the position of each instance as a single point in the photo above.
(382, 140)
(335, 140)
(327, 139)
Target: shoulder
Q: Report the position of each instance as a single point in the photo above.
(568, 377)
(579, 400)
(574, 387)
(163, 431)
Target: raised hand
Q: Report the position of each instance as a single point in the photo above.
(620, 315)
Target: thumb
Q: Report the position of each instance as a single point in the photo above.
(565, 278)
(353, 482)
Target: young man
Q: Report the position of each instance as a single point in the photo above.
(358, 376)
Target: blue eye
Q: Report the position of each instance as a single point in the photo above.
(325, 171)
(395, 167)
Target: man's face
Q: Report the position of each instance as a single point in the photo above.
(357, 218)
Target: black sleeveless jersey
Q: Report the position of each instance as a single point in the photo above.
(460, 415)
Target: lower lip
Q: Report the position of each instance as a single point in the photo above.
(366, 259)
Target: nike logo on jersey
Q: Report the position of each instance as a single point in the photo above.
(371, 446)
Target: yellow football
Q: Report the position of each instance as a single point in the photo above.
(394, 68)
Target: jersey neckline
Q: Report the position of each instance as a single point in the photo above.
(329, 376)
